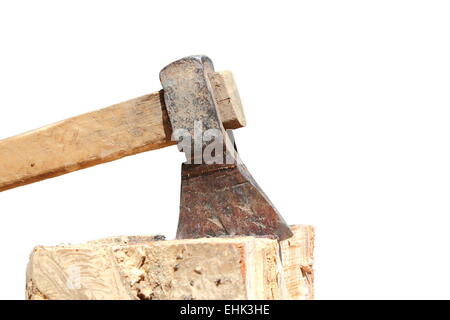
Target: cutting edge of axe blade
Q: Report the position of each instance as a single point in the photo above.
(101, 136)
(217, 199)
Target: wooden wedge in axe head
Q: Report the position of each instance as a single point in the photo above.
(218, 195)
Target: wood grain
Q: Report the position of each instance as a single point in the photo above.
(298, 259)
(141, 268)
(124, 129)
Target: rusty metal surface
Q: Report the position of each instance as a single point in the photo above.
(226, 202)
(216, 199)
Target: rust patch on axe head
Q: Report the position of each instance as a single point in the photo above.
(226, 201)
(217, 198)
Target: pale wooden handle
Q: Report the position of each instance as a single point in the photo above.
(104, 135)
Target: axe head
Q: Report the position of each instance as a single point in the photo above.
(219, 197)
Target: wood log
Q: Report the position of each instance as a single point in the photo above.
(298, 258)
(124, 129)
(141, 268)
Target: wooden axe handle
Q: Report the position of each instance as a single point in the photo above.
(104, 135)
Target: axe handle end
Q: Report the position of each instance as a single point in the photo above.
(228, 100)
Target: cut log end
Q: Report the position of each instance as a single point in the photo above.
(144, 268)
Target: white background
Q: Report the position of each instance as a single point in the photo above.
(348, 115)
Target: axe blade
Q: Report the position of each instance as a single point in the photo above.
(226, 201)
(217, 199)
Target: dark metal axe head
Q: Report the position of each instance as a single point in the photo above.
(219, 196)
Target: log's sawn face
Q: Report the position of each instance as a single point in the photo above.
(144, 267)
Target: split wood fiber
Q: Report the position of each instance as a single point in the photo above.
(124, 268)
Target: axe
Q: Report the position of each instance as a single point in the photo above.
(197, 109)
